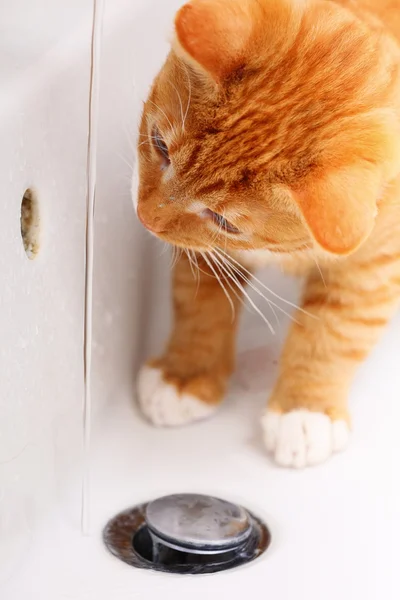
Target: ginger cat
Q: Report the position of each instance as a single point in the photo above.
(272, 133)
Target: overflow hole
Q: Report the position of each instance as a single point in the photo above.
(30, 224)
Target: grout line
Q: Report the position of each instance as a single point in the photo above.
(98, 10)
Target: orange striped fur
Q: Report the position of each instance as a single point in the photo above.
(272, 133)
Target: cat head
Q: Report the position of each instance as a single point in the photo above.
(273, 124)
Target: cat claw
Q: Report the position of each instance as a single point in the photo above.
(163, 405)
(303, 438)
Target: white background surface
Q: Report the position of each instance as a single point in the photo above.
(335, 528)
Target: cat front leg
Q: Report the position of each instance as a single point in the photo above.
(307, 417)
(188, 382)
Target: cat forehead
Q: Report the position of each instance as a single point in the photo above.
(271, 119)
(240, 148)
(280, 111)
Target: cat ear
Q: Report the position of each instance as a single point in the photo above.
(340, 208)
(214, 34)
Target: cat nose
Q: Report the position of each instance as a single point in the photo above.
(155, 226)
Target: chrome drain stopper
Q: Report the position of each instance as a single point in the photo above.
(187, 533)
(198, 524)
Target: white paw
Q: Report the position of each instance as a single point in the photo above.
(302, 438)
(163, 405)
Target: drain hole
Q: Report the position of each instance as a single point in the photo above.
(178, 561)
(143, 544)
(209, 535)
(30, 223)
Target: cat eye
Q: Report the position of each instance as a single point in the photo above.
(221, 222)
(161, 148)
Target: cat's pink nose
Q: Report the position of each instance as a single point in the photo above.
(155, 226)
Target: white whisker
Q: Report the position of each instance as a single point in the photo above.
(176, 255)
(191, 264)
(292, 304)
(209, 263)
(224, 272)
(147, 141)
(165, 248)
(130, 138)
(180, 103)
(147, 136)
(162, 112)
(255, 307)
(318, 267)
(190, 94)
(193, 257)
(125, 160)
(272, 305)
